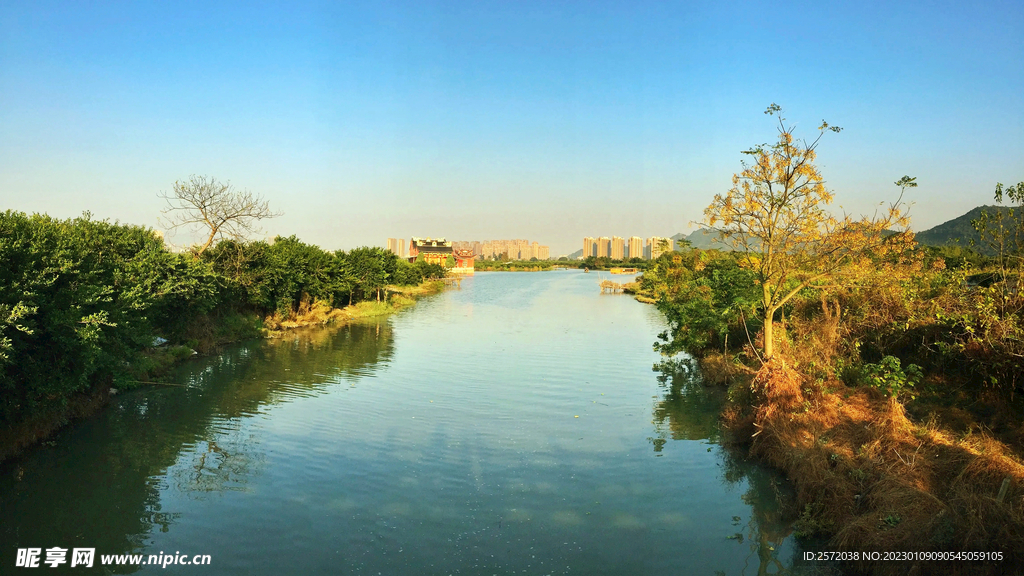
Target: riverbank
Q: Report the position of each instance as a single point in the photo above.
(92, 306)
(333, 424)
(869, 478)
(891, 404)
(396, 298)
(517, 265)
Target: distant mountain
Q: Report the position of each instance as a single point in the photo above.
(576, 254)
(959, 231)
(703, 239)
(956, 232)
(675, 240)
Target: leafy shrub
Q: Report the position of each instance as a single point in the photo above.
(890, 377)
(79, 299)
(704, 295)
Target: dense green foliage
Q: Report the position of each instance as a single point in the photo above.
(82, 300)
(604, 263)
(275, 277)
(79, 297)
(517, 265)
(705, 295)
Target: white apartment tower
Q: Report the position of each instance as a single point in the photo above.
(656, 245)
(636, 247)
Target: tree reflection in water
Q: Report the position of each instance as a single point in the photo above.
(99, 485)
(689, 410)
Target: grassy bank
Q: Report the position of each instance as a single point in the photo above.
(320, 313)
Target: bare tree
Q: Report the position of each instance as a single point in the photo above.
(215, 207)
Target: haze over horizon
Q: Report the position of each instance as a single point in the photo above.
(485, 120)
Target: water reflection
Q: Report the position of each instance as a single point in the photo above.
(689, 410)
(511, 434)
(99, 484)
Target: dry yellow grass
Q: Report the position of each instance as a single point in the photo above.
(872, 479)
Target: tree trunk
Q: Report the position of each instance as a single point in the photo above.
(213, 234)
(769, 341)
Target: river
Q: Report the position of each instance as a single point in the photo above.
(512, 426)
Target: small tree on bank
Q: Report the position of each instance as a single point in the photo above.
(216, 208)
(775, 214)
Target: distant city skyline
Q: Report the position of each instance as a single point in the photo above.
(499, 120)
(513, 249)
(617, 248)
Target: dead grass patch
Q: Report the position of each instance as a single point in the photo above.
(872, 479)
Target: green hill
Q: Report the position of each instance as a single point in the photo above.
(959, 231)
(702, 239)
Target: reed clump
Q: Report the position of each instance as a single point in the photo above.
(308, 313)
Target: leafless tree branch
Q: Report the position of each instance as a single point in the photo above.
(216, 208)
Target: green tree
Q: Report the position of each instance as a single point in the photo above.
(703, 294)
(370, 269)
(79, 299)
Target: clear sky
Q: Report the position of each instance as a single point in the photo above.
(477, 120)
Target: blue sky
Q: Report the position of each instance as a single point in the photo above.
(542, 120)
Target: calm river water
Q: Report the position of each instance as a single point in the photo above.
(514, 426)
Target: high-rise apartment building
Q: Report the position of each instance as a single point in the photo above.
(604, 246)
(511, 249)
(589, 247)
(618, 248)
(397, 246)
(656, 245)
(636, 247)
